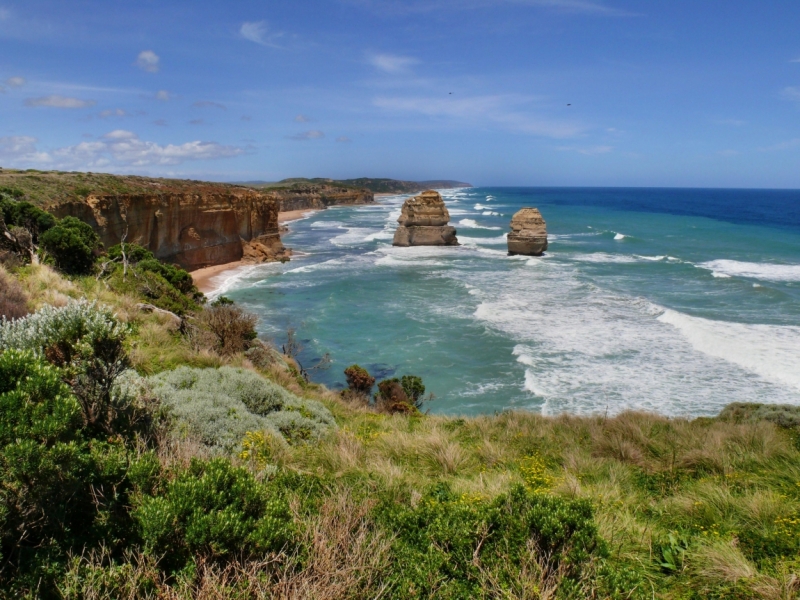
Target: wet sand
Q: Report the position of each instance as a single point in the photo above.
(207, 279)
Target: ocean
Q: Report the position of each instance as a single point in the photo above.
(677, 301)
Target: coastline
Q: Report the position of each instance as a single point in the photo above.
(296, 215)
(208, 279)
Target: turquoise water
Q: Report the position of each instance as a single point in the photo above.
(675, 301)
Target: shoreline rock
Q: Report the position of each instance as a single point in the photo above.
(424, 222)
(528, 233)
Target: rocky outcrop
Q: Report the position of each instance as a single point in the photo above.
(204, 225)
(528, 233)
(423, 222)
(310, 197)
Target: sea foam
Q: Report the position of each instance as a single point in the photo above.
(751, 270)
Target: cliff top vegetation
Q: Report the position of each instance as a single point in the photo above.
(50, 188)
(377, 186)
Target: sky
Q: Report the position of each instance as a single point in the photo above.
(701, 93)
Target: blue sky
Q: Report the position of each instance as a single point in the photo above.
(495, 92)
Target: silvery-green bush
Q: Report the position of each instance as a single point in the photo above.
(219, 406)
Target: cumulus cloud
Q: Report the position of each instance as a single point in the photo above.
(504, 111)
(148, 61)
(116, 149)
(260, 33)
(209, 104)
(392, 63)
(56, 101)
(314, 134)
(15, 81)
(163, 95)
(344, 139)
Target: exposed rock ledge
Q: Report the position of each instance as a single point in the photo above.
(209, 225)
(423, 222)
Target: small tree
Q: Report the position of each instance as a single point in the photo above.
(71, 243)
(392, 398)
(232, 328)
(359, 381)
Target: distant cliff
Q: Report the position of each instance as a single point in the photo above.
(377, 186)
(319, 196)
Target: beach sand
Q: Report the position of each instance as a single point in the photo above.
(294, 215)
(208, 279)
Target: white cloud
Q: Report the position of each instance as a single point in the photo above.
(118, 112)
(504, 111)
(116, 149)
(792, 93)
(787, 145)
(4, 14)
(163, 95)
(56, 101)
(314, 134)
(209, 104)
(795, 60)
(585, 7)
(15, 81)
(259, 32)
(392, 63)
(344, 139)
(148, 61)
(303, 119)
(591, 151)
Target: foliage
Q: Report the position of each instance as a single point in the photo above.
(25, 214)
(133, 252)
(87, 343)
(13, 299)
(449, 544)
(221, 406)
(231, 328)
(783, 415)
(60, 491)
(392, 398)
(213, 511)
(71, 243)
(222, 301)
(359, 380)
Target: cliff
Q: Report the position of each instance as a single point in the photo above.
(319, 196)
(208, 225)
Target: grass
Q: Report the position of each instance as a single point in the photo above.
(689, 508)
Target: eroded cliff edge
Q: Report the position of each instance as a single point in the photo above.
(207, 225)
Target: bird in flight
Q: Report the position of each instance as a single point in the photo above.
(569, 104)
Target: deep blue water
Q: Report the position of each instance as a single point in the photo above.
(673, 300)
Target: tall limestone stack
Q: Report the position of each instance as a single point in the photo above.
(528, 233)
(423, 222)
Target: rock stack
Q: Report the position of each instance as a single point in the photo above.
(528, 233)
(423, 222)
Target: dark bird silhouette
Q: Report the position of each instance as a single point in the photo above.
(569, 104)
(451, 93)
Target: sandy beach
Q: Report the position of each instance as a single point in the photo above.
(294, 215)
(207, 279)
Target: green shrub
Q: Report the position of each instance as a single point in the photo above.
(220, 406)
(25, 214)
(176, 276)
(359, 380)
(59, 491)
(133, 252)
(213, 511)
(449, 545)
(71, 244)
(783, 415)
(87, 343)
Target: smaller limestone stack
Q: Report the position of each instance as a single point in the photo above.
(528, 233)
(423, 222)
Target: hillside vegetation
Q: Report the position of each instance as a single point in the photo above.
(151, 446)
(377, 186)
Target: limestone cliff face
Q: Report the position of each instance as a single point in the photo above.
(528, 233)
(423, 222)
(308, 197)
(206, 226)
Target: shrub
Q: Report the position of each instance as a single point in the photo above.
(392, 398)
(359, 380)
(25, 214)
(133, 252)
(60, 492)
(87, 342)
(71, 243)
(220, 406)
(232, 329)
(13, 300)
(213, 511)
(414, 389)
(176, 276)
(449, 545)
